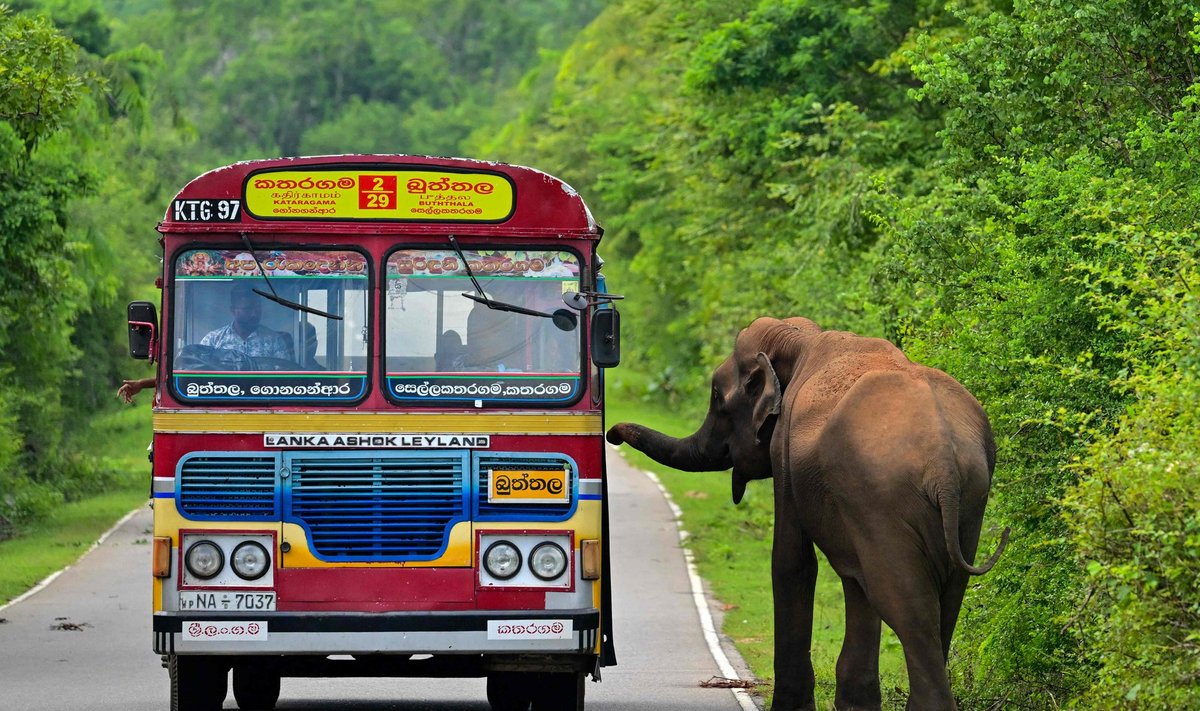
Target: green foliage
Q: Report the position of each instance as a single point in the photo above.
(1005, 191)
(39, 88)
(62, 249)
(69, 528)
(1134, 516)
(1046, 265)
(721, 145)
(398, 76)
(1134, 513)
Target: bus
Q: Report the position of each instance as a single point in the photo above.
(378, 430)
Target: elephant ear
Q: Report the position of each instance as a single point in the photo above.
(762, 384)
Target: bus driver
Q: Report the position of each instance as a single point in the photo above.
(245, 333)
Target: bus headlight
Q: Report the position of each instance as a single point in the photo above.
(204, 559)
(548, 560)
(250, 560)
(502, 560)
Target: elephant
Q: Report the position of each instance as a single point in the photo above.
(881, 463)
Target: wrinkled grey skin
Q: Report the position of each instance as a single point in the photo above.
(883, 464)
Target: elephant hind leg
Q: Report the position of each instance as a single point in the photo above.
(951, 604)
(858, 663)
(909, 601)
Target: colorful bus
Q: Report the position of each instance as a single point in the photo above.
(378, 429)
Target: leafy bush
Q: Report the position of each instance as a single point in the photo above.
(1135, 512)
(1136, 521)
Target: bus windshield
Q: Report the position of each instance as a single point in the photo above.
(231, 343)
(440, 345)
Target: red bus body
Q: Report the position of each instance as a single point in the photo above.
(327, 513)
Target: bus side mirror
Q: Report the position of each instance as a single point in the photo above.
(606, 338)
(143, 330)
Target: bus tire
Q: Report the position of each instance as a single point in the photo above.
(255, 687)
(510, 691)
(559, 691)
(197, 683)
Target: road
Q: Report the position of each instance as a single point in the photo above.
(83, 642)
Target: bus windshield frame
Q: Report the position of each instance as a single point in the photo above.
(442, 349)
(231, 345)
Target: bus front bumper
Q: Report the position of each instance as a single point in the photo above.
(475, 632)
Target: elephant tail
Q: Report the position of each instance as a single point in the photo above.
(948, 502)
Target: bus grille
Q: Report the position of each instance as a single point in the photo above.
(228, 487)
(377, 507)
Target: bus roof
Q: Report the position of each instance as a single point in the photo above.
(379, 193)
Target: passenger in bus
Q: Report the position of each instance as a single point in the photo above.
(451, 355)
(308, 346)
(560, 350)
(130, 388)
(495, 340)
(245, 333)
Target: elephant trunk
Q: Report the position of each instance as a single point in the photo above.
(689, 454)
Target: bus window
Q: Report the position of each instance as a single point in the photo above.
(431, 329)
(228, 335)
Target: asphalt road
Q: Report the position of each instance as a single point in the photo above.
(84, 641)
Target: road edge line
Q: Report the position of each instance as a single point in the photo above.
(51, 577)
(711, 637)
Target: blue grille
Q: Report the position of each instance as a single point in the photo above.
(383, 507)
(237, 487)
(538, 512)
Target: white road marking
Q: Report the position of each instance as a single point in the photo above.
(706, 621)
(50, 578)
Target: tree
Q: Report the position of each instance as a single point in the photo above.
(1052, 265)
(38, 87)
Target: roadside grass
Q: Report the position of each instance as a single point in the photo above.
(120, 436)
(732, 547)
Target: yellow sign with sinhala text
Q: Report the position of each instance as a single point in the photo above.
(528, 487)
(379, 194)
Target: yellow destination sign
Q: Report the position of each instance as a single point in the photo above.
(528, 487)
(379, 194)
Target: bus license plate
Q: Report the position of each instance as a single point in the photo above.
(206, 600)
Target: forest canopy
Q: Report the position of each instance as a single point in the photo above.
(1008, 191)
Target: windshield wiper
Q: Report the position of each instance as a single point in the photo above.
(274, 296)
(562, 318)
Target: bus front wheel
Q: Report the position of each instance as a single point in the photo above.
(559, 691)
(255, 686)
(197, 683)
(509, 691)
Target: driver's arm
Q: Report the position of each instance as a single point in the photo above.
(283, 347)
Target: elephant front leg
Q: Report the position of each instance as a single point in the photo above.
(858, 663)
(794, 581)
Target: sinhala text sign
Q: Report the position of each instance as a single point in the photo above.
(379, 193)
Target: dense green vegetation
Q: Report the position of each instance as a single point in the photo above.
(69, 223)
(1006, 190)
(106, 111)
(1007, 193)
